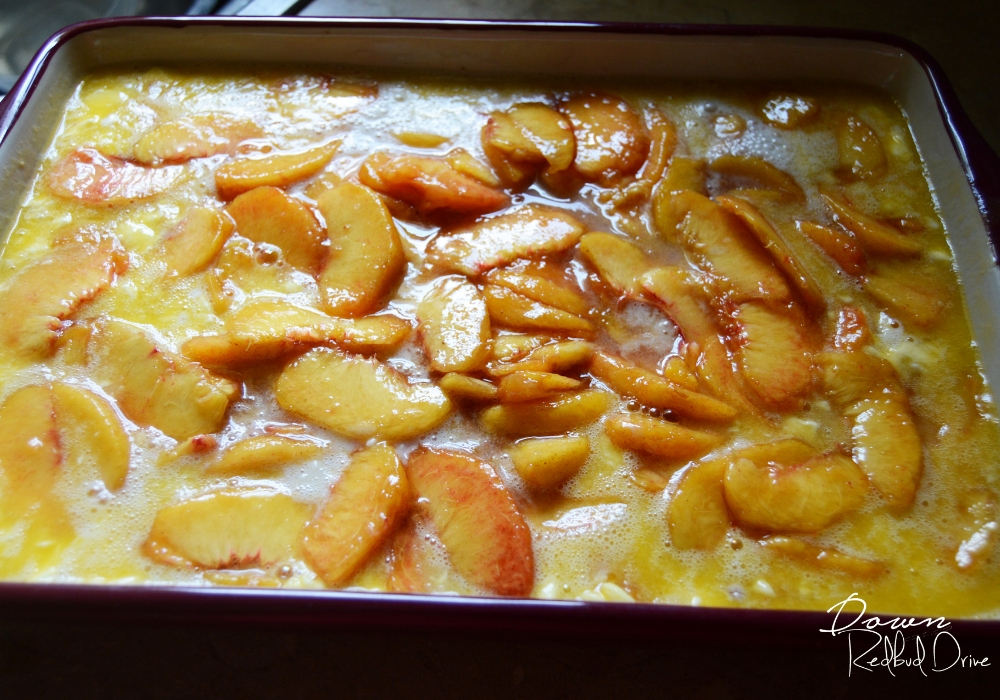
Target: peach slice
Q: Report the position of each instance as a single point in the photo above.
(618, 262)
(720, 244)
(509, 309)
(790, 111)
(554, 416)
(655, 436)
(676, 371)
(530, 386)
(662, 144)
(887, 447)
(46, 293)
(432, 185)
(874, 236)
(195, 241)
(839, 245)
(684, 174)
(465, 387)
(158, 388)
(35, 519)
(652, 390)
(72, 344)
(801, 494)
(420, 139)
(907, 297)
(238, 528)
(529, 231)
(487, 539)
(697, 515)
(197, 136)
(31, 456)
(467, 164)
(266, 453)
(540, 289)
(358, 398)
(611, 139)
(268, 215)
(849, 377)
(516, 346)
(861, 154)
(366, 254)
(766, 174)
(774, 353)
(545, 463)
(852, 331)
(671, 288)
(94, 178)
(824, 557)
(554, 357)
(91, 430)
(454, 326)
(270, 168)
(365, 505)
(526, 138)
(779, 251)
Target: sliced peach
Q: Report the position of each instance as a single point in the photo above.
(801, 495)
(266, 330)
(368, 501)
(454, 325)
(676, 371)
(839, 245)
(197, 136)
(824, 557)
(530, 386)
(31, 456)
(358, 398)
(906, 297)
(655, 436)
(509, 309)
(721, 245)
(652, 390)
(45, 293)
(238, 528)
(158, 388)
(887, 447)
(611, 139)
(554, 416)
(697, 515)
(430, 184)
(790, 111)
(266, 453)
(465, 387)
(366, 254)
(92, 431)
(271, 168)
(195, 241)
(540, 289)
(774, 353)
(874, 236)
(467, 164)
(548, 462)
(779, 251)
(618, 262)
(852, 331)
(268, 215)
(487, 539)
(94, 178)
(529, 231)
(35, 518)
(861, 154)
(670, 287)
(762, 172)
(515, 346)
(684, 174)
(420, 139)
(662, 144)
(526, 138)
(554, 357)
(72, 344)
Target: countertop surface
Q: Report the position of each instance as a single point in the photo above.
(43, 660)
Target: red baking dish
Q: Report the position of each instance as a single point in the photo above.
(965, 173)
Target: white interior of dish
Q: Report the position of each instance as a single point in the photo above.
(512, 53)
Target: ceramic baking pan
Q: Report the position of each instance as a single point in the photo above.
(964, 172)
